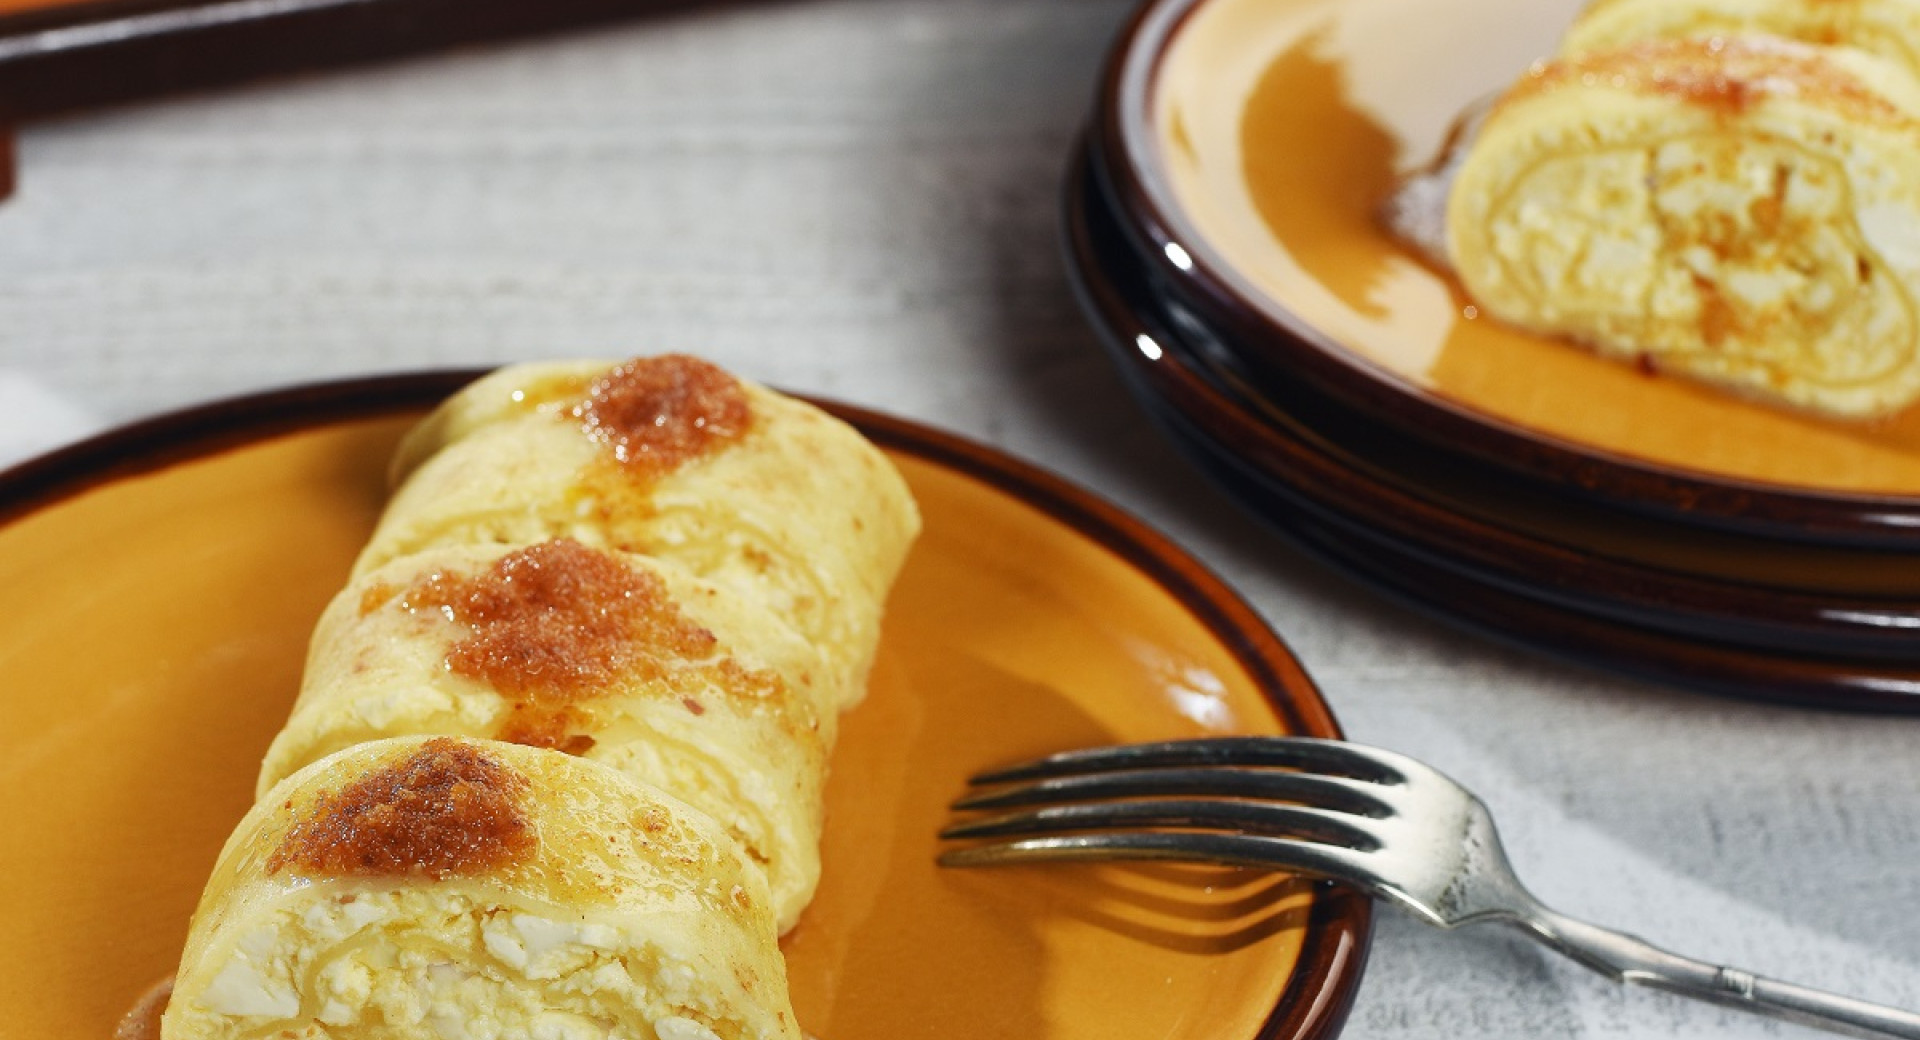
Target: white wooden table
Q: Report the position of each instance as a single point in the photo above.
(857, 198)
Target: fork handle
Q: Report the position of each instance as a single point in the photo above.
(1625, 958)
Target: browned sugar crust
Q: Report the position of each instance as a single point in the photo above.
(1724, 74)
(445, 810)
(656, 414)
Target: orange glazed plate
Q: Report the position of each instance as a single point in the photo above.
(1253, 141)
(164, 579)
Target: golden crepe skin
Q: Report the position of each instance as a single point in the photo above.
(797, 511)
(434, 889)
(705, 694)
(596, 584)
(1742, 211)
(1887, 28)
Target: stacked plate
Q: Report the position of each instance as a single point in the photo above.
(1221, 228)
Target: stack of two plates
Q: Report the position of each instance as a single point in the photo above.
(1222, 231)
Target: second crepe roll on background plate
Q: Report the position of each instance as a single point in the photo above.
(1743, 211)
(1888, 28)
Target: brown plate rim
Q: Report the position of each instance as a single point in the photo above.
(1191, 411)
(1333, 954)
(1403, 502)
(1465, 599)
(1269, 335)
(1497, 614)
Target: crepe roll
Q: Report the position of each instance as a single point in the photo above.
(617, 658)
(1888, 28)
(674, 458)
(1744, 212)
(448, 889)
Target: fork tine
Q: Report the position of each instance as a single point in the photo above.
(1309, 753)
(1235, 850)
(1254, 817)
(1328, 792)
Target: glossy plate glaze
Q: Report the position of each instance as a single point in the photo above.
(169, 574)
(1415, 528)
(1255, 140)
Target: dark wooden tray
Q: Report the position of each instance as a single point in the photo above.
(58, 56)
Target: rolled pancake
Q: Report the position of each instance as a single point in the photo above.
(1888, 28)
(1746, 212)
(621, 659)
(673, 458)
(442, 889)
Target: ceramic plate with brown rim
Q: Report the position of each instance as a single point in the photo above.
(1253, 141)
(1829, 650)
(1809, 600)
(166, 577)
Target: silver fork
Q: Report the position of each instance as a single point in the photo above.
(1359, 815)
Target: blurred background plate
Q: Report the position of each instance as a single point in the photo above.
(1249, 143)
(1833, 628)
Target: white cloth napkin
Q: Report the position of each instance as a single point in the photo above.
(34, 418)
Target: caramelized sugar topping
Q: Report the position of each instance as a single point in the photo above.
(559, 620)
(558, 623)
(445, 810)
(1723, 74)
(655, 414)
